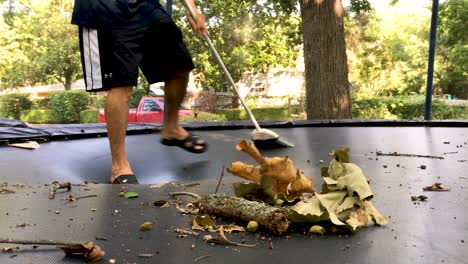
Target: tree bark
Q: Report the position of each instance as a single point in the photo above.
(326, 74)
(68, 82)
(273, 219)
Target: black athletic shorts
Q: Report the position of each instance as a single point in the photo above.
(111, 58)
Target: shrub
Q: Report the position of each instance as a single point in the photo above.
(371, 109)
(267, 113)
(67, 105)
(98, 101)
(89, 116)
(41, 104)
(203, 117)
(270, 113)
(136, 96)
(11, 105)
(230, 114)
(405, 108)
(39, 117)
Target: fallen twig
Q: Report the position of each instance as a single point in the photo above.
(223, 240)
(274, 219)
(220, 179)
(56, 186)
(91, 252)
(186, 232)
(86, 196)
(396, 154)
(202, 257)
(185, 193)
(38, 242)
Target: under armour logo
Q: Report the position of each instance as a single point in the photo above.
(108, 75)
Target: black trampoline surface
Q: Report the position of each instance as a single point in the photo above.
(434, 231)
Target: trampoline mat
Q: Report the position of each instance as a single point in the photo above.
(418, 232)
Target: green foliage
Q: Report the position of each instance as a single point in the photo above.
(40, 117)
(89, 116)
(136, 96)
(43, 103)
(204, 117)
(406, 108)
(41, 46)
(452, 48)
(231, 114)
(12, 104)
(67, 105)
(249, 35)
(371, 109)
(98, 102)
(267, 113)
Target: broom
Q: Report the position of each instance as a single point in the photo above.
(263, 138)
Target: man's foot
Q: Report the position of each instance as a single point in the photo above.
(182, 138)
(192, 143)
(125, 179)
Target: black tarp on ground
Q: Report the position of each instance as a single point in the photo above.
(429, 232)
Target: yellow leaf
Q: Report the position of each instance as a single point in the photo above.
(146, 226)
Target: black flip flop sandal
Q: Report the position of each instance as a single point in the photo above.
(125, 179)
(192, 138)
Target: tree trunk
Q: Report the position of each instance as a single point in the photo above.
(68, 83)
(326, 74)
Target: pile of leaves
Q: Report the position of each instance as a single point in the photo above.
(343, 202)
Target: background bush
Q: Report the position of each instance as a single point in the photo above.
(267, 113)
(204, 117)
(39, 117)
(11, 105)
(136, 96)
(67, 105)
(406, 108)
(98, 101)
(89, 116)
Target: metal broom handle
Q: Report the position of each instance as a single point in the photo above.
(223, 67)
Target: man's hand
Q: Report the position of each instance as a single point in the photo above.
(198, 24)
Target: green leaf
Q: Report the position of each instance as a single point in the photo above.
(331, 201)
(348, 176)
(354, 181)
(342, 154)
(308, 211)
(262, 192)
(131, 195)
(203, 223)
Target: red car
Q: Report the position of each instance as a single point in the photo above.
(150, 110)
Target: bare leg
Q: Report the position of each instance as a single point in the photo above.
(174, 90)
(116, 113)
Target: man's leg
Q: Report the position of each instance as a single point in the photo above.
(116, 113)
(174, 90)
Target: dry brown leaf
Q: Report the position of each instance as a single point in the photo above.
(280, 169)
(91, 253)
(223, 240)
(246, 171)
(26, 145)
(190, 209)
(251, 150)
(302, 184)
(436, 187)
(232, 228)
(146, 226)
(7, 249)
